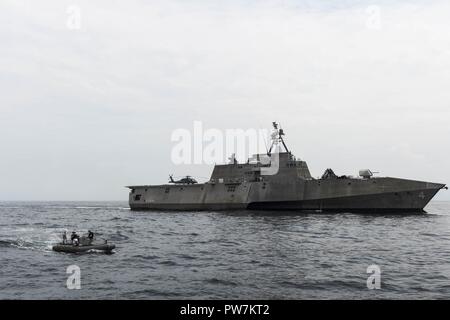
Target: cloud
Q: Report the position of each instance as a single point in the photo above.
(84, 112)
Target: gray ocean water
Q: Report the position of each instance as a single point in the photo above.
(224, 255)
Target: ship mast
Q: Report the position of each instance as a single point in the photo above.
(277, 137)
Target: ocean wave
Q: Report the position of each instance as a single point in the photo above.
(169, 263)
(4, 243)
(30, 238)
(144, 257)
(24, 244)
(221, 282)
(118, 237)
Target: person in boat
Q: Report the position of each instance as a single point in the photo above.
(75, 238)
(90, 236)
(64, 236)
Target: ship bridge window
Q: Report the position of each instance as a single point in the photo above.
(137, 197)
(231, 188)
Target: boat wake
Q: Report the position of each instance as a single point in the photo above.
(29, 238)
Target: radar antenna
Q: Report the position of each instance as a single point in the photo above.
(277, 137)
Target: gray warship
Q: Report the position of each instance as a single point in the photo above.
(279, 181)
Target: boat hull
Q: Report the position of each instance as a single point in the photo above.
(77, 249)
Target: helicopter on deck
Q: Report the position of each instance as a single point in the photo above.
(185, 180)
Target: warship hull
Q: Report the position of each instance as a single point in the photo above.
(394, 202)
(377, 195)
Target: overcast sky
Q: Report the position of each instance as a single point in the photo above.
(88, 106)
